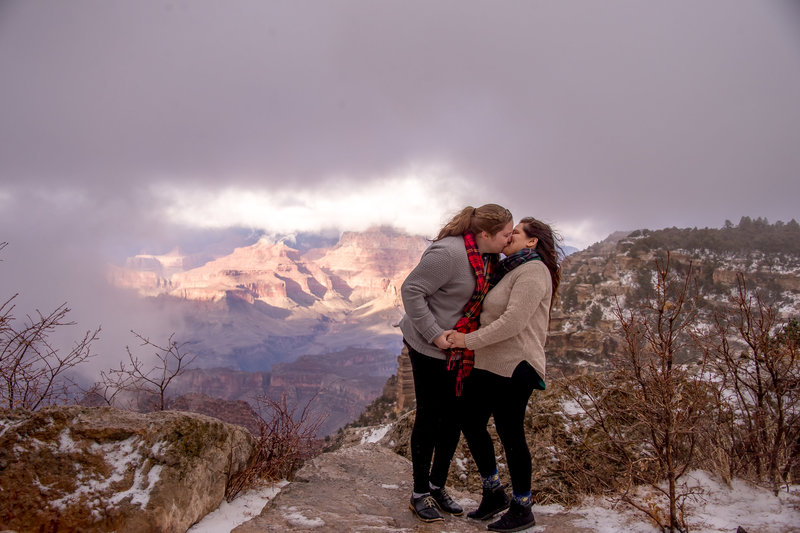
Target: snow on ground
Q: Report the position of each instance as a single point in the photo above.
(753, 508)
(719, 509)
(572, 408)
(230, 515)
(93, 487)
(375, 434)
(297, 519)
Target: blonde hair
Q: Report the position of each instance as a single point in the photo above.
(490, 218)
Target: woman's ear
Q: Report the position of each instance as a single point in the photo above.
(533, 242)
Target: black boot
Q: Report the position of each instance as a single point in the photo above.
(517, 518)
(493, 501)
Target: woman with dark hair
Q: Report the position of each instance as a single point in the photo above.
(509, 364)
(444, 292)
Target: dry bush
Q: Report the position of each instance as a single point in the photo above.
(656, 414)
(642, 419)
(145, 388)
(33, 372)
(550, 431)
(285, 441)
(756, 364)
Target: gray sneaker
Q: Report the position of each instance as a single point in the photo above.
(445, 502)
(425, 508)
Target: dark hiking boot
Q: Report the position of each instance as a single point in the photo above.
(425, 508)
(517, 518)
(445, 502)
(493, 501)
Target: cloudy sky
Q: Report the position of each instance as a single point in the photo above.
(128, 125)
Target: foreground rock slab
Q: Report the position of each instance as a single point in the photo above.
(103, 469)
(365, 488)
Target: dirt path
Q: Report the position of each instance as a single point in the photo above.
(366, 488)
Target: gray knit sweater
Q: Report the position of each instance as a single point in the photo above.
(514, 321)
(435, 293)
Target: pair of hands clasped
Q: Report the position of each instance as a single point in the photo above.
(450, 339)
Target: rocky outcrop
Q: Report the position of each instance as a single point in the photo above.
(405, 394)
(146, 283)
(224, 383)
(267, 302)
(335, 386)
(363, 266)
(238, 412)
(374, 263)
(103, 469)
(614, 271)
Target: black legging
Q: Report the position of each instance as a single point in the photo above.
(436, 429)
(487, 394)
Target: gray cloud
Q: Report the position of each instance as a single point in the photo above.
(600, 116)
(597, 96)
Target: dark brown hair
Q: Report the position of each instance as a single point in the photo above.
(490, 218)
(546, 247)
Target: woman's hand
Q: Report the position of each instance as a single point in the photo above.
(456, 339)
(442, 342)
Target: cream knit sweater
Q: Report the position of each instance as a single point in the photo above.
(514, 321)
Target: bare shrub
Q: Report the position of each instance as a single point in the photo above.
(147, 386)
(285, 441)
(33, 371)
(756, 363)
(643, 418)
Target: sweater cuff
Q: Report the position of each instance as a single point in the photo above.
(431, 333)
(470, 345)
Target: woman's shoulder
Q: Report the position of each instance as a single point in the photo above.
(452, 240)
(451, 245)
(530, 272)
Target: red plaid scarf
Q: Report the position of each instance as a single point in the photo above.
(463, 359)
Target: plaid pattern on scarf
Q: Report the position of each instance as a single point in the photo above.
(513, 261)
(463, 359)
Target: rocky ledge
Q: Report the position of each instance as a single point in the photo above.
(366, 487)
(103, 469)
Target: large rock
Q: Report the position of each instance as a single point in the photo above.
(336, 387)
(102, 469)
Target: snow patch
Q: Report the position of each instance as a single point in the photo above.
(375, 434)
(121, 457)
(572, 408)
(297, 519)
(65, 442)
(245, 507)
(5, 425)
(716, 508)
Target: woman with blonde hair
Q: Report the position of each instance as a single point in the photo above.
(509, 365)
(444, 292)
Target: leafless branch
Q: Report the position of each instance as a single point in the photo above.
(285, 441)
(32, 370)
